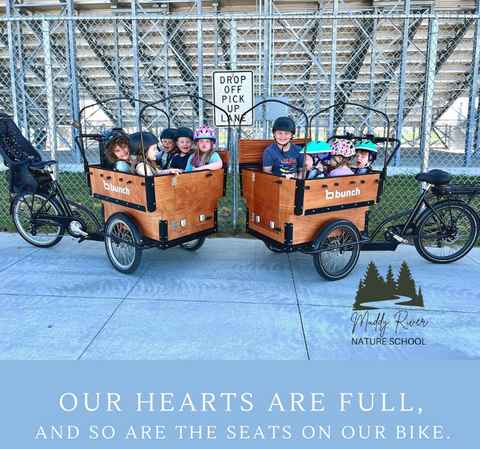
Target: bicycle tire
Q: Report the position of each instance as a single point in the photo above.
(193, 245)
(336, 263)
(123, 256)
(464, 232)
(41, 233)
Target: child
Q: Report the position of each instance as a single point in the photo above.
(318, 153)
(282, 157)
(343, 151)
(117, 150)
(205, 156)
(147, 166)
(164, 157)
(184, 141)
(366, 154)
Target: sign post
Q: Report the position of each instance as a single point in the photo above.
(233, 92)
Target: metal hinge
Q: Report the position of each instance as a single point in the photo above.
(174, 225)
(253, 177)
(174, 180)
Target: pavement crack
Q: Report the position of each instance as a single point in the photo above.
(298, 307)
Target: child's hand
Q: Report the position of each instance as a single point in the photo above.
(176, 171)
(289, 176)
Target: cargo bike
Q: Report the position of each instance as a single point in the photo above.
(328, 218)
(139, 212)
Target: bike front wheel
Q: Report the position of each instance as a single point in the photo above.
(121, 236)
(457, 228)
(39, 232)
(341, 250)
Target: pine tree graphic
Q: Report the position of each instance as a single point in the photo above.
(374, 288)
(390, 284)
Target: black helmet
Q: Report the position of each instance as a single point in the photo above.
(168, 133)
(114, 134)
(135, 142)
(183, 132)
(284, 124)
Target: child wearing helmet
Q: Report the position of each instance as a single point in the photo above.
(341, 157)
(205, 157)
(184, 142)
(164, 157)
(146, 166)
(318, 153)
(117, 150)
(282, 158)
(366, 154)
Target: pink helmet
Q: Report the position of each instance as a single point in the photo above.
(205, 132)
(343, 147)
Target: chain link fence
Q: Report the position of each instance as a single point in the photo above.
(421, 70)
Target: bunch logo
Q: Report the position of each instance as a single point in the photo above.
(345, 194)
(112, 188)
(400, 294)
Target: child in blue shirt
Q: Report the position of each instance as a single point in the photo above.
(282, 158)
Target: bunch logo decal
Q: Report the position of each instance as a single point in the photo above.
(399, 296)
(112, 188)
(329, 195)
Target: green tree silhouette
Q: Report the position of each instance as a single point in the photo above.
(390, 284)
(405, 282)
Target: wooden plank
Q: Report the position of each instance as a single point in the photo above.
(328, 192)
(225, 156)
(121, 186)
(147, 222)
(305, 228)
(250, 151)
(196, 197)
(165, 196)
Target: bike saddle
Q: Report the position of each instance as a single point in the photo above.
(41, 164)
(435, 177)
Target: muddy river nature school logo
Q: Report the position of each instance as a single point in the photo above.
(386, 309)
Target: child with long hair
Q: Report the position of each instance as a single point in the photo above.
(147, 166)
(205, 157)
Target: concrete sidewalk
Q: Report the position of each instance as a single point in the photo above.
(231, 300)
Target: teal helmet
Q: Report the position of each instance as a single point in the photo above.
(318, 146)
(367, 145)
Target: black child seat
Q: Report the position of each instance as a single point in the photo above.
(25, 165)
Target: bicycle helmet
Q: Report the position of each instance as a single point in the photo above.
(135, 142)
(168, 133)
(205, 132)
(368, 145)
(114, 134)
(343, 147)
(318, 146)
(284, 124)
(183, 132)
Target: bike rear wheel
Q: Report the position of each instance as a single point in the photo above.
(120, 250)
(460, 228)
(39, 232)
(338, 239)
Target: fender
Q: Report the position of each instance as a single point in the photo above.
(452, 203)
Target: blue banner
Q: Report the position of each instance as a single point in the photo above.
(240, 404)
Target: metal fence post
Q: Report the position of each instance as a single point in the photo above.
(72, 74)
(13, 58)
(472, 115)
(427, 111)
(200, 61)
(332, 68)
(136, 66)
(234, 137)
(52, 127)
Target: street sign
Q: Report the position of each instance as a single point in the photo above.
(233, 92)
